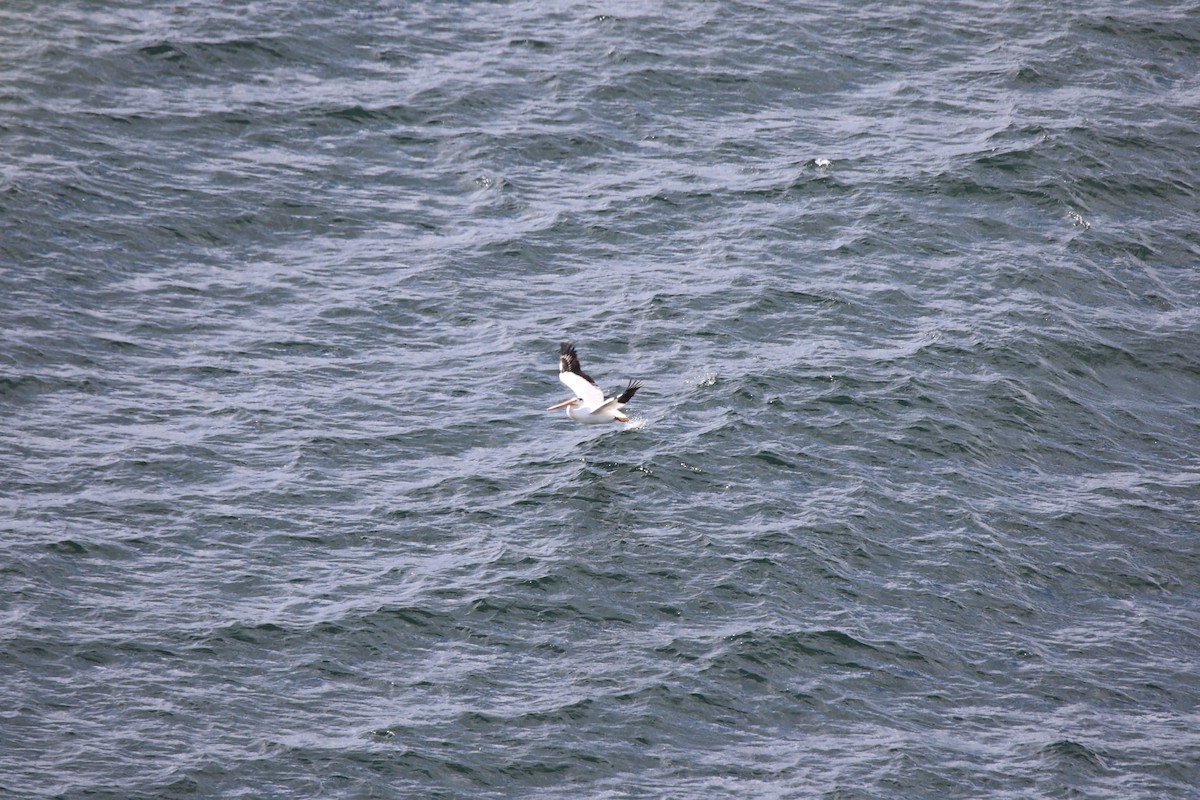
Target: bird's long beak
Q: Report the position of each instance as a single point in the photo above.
(563, 403)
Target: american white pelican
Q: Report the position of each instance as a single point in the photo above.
(588, 405)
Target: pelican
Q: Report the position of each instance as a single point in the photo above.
(588, 405)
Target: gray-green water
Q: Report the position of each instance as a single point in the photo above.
(910, 504)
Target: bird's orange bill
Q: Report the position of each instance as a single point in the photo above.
(563, 403)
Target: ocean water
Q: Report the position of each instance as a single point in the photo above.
(909, 505)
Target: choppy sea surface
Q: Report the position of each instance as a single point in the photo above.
(909, 505)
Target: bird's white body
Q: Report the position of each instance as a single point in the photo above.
(598, 417)
(589, 405)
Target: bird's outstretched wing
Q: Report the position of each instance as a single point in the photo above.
(630, 391)
(623, 398)
(578, 381)
(568, 361)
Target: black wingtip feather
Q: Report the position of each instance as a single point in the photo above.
(629, 392)
(568, 361)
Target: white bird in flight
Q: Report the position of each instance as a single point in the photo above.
(589, 405)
